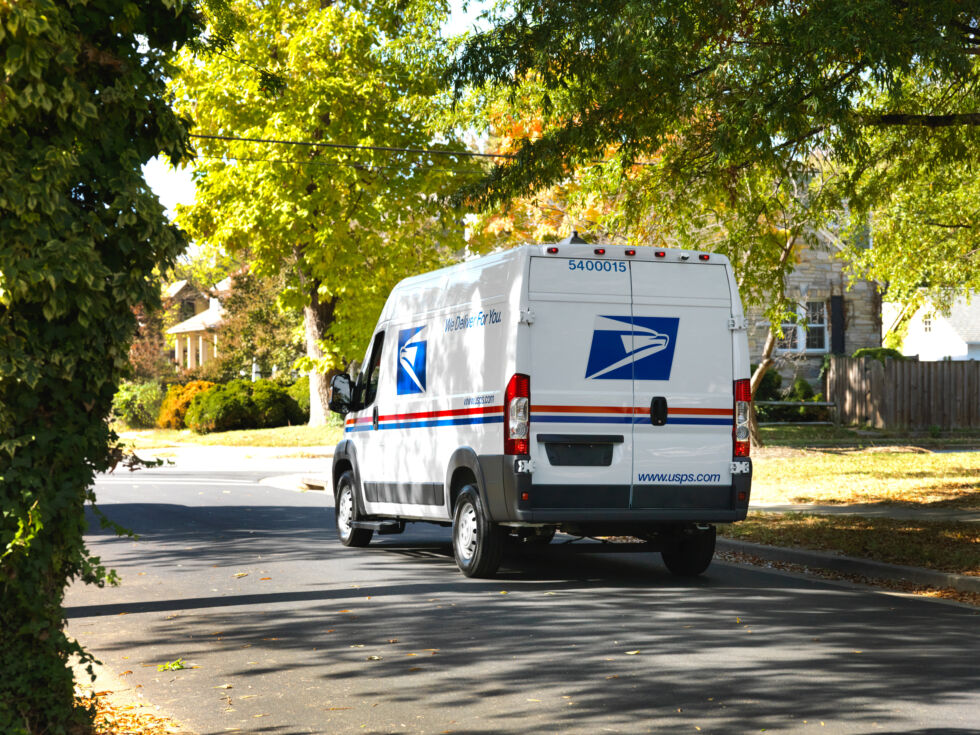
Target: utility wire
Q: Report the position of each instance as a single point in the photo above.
(381, 148)
(349, 147)
(338, 164)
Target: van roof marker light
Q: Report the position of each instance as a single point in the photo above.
(703, 256)
(600, 251)
(661, 254)
(553, 251)
(631, 251)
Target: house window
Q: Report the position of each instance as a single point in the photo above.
(927, 323)
(807, 330)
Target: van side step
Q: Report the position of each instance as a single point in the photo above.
(381, 527)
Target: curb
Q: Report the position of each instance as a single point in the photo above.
(852, 565)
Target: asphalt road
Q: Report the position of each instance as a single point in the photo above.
(286, 631)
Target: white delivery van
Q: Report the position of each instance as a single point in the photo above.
(593, 390)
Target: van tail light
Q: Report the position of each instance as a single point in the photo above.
(517, 415)
(740, 429)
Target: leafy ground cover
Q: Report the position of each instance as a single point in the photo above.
(283, 436)
(947, 547)
(906, 476)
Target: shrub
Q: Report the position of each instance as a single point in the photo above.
(274, 406)
(769, 390)
(880, 354)
(138, 404)
(223, 408)
(178, 400)
(300, 392)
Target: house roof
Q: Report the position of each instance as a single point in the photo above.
(965, 319)
(207, 319)
(174, 288)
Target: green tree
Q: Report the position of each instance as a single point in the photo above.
(82, 107)
(882, 98)
(342, 225)
(732, 110)
(255, 328)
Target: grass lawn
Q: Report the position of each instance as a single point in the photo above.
(803, 435)
(283, 436)
(947, 547)
(900, 476)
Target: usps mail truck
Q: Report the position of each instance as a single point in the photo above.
(598, 391)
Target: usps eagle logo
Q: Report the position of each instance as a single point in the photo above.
(411, 360)
(632, 348)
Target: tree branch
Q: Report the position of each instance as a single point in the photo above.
(927, 121)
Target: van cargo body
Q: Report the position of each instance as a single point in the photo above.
(596, 391)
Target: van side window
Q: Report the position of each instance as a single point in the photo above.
(373, 370)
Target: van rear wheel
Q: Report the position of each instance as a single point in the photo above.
(691, 554)
(347, 512)
(478, 543)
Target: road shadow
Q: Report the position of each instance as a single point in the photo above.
(558, 642)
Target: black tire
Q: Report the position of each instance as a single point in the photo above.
(478, 544)
(346, 511)
(692, 552)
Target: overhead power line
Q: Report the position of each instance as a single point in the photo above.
(380, 148)
(339, 164)
(350, 147)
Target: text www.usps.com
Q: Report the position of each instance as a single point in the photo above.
(677, 478)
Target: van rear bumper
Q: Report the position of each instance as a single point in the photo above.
(513, 496)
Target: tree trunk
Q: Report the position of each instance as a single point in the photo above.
(317, 318)
(757, 376)
(767, 349)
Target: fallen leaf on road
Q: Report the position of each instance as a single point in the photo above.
(503, 592)
(534, 700)
(415, 668)
(357, 645)
(632, 653)
(248, 696)
(614, 676)
(223, 686)
(332, 630)
(240, 574)
(334, 709)
(125, 673)
(392, 640)
(343, 611)
(374, 658)
(264, 714)
(264, 579)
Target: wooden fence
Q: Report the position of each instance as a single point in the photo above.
(905, 394)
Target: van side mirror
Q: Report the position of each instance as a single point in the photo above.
(341, 396)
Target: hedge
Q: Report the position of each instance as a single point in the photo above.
(177, 401)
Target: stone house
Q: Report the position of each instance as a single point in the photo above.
(832, 317)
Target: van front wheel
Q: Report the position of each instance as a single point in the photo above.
(478, 544)
(346, 513)
(691, 553)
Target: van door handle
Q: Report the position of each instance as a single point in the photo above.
(658, 411)
(374, 417)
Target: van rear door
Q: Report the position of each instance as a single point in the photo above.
(581, 427)
(683, 385)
